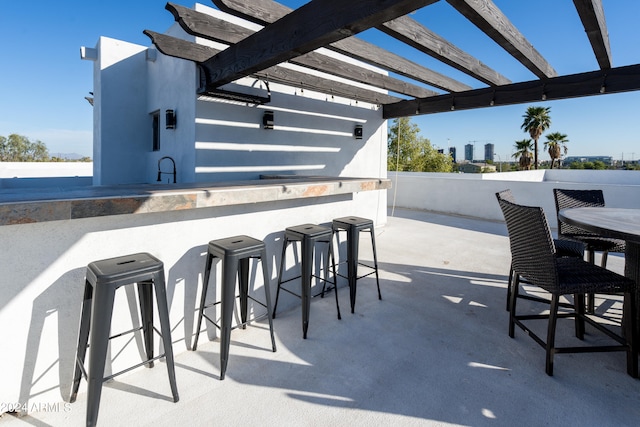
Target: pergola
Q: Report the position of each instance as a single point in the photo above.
(294, 36)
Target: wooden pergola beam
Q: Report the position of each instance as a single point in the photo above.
(264, 12)
(374, 55)
(414, 34)
(591, 14)
(211, 28)
(314, 25)
(198, 53)
(613, 80)
(179, 48)
(485, 15)
(257, 11)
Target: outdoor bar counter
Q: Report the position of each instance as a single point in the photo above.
(21, 206)
(48, 236)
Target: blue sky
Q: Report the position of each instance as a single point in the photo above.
(43, 81)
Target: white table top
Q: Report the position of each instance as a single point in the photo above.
(609, 222)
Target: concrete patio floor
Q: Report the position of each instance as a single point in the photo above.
(434, 351)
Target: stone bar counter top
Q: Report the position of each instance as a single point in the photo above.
(23, 206)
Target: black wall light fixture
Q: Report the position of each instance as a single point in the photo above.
(357, 132)
(267, 120)
(171, 119)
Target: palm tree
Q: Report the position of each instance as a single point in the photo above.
(536, 121)
(556, 142)
(523, 152)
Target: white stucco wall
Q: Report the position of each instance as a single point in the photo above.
(221, 141)
(310, 137)
(474, 194)
(172, 85)
(45, 169)
(121, 125)
(45, 174)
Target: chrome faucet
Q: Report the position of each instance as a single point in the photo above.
(170, 173)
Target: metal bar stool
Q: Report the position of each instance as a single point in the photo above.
(102, 279)
(235, 253)
(308, 235)
(353, 225)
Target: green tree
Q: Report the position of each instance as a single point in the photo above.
(536, 121)
(408, 151)
(576, 165)
(18, 148)
(556, 143)
(523, 153)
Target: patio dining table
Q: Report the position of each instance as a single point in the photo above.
(619, 223)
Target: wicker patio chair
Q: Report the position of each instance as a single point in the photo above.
(534, 258)
(564, 247)
(566, 199)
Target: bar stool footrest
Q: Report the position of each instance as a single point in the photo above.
(131, 368)
(254, 319)
(313, 276)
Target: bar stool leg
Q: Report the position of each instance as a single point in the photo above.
(631, 332)
(203, 298)
(307, 265)
(102, 309)
(285, 243)
(83, 339)
(335, 277)
(243, 284)
(163, 314)
(229, 272)
(145, 294)
(352, 263)
(267, 294)
(375, 260)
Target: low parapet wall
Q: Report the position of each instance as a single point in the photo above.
(474, 194)
(45, 174)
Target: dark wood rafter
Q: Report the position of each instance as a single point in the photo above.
(592, 16)
(293, 36)
(265, 12)
(310, 27)
(352, 72)
(179, 48)
(613, 80)
(258, 11)
(372, 54)
(203, 25)
(411, 32)
(485, 15)
(209, 27)
(198, 53)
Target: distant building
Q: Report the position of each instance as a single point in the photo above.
(488, 152)
(468, 152)
(476, 168)
(607, 160)
(452, 153)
